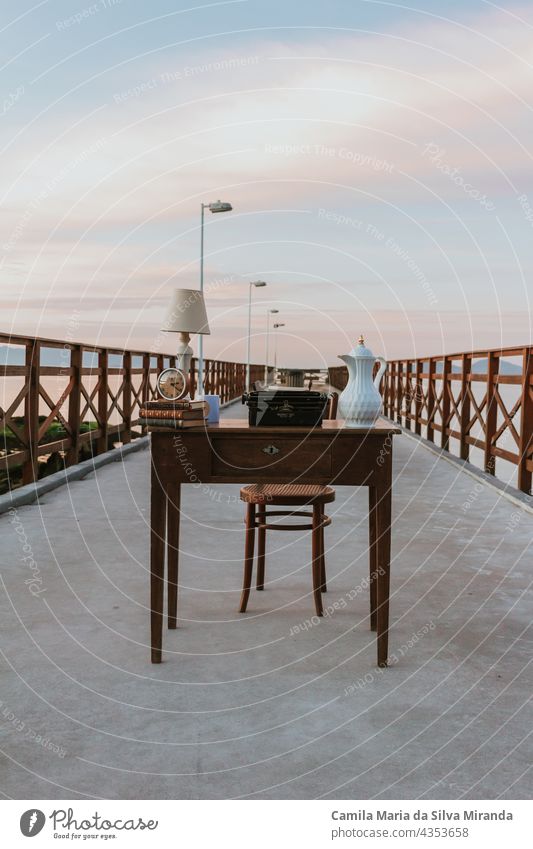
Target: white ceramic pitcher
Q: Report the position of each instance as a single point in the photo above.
(360, 404)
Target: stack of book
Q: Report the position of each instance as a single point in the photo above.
(174, 414)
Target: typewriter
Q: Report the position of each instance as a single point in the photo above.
(285, 407)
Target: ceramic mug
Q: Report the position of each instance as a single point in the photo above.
(214, 408)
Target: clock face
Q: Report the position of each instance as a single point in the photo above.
(172, 384)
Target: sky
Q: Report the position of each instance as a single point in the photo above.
(377, 155)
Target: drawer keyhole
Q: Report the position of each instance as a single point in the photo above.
(270, 449)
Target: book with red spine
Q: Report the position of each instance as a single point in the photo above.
(172, 424)
(184, 404)
(147, 413)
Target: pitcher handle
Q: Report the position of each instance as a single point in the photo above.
(381, 372)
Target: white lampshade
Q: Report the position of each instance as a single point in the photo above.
(186, 313)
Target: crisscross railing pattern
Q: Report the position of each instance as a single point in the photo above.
(480, 399)
(63, 407)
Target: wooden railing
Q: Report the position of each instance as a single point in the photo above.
(225, 379)
(477, 399)
(89, 400)
(85, 402)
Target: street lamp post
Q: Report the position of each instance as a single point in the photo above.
(216, 206)
(278, 324)
(257, 284)
(269, 312)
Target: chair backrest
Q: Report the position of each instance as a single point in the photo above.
(331, 412)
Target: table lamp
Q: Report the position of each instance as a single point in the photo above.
(186, 314)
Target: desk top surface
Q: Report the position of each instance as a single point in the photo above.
(330, 427)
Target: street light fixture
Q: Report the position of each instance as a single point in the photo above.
(218, 206)
(258, 284)
(215, 206)
(269, 313)
(278, 324)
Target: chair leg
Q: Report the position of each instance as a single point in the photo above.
(248, 556)
(261, 540)
(323, 584)
(315, 554)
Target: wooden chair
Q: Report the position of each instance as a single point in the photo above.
(258, 496)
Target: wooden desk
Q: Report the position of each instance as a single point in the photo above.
(233, 452)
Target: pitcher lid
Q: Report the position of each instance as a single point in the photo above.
(361, 350)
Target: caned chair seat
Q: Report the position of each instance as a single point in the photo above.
(287, 494)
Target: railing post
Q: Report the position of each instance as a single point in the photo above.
(233, 380)
(103, 385)
(385, 386)
(399, 392)
(126, 397)
(388, 402)
(446, 388)
(408, 394)
(392, 389)
(210, 378)
(526, 423)
(145, 395)
(464, 447)
(418, 397)
(431, 400)
(492, 409)
(31, 410)
(76, 360)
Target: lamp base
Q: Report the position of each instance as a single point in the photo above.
(183, 357)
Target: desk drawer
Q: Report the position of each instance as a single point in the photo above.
(276, 458)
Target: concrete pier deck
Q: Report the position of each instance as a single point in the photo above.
(272, 704)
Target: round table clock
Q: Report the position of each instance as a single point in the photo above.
(172, 384)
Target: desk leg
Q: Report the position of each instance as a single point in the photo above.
(157, 562)
(383, 543)
(173, 543)
(373, 554)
